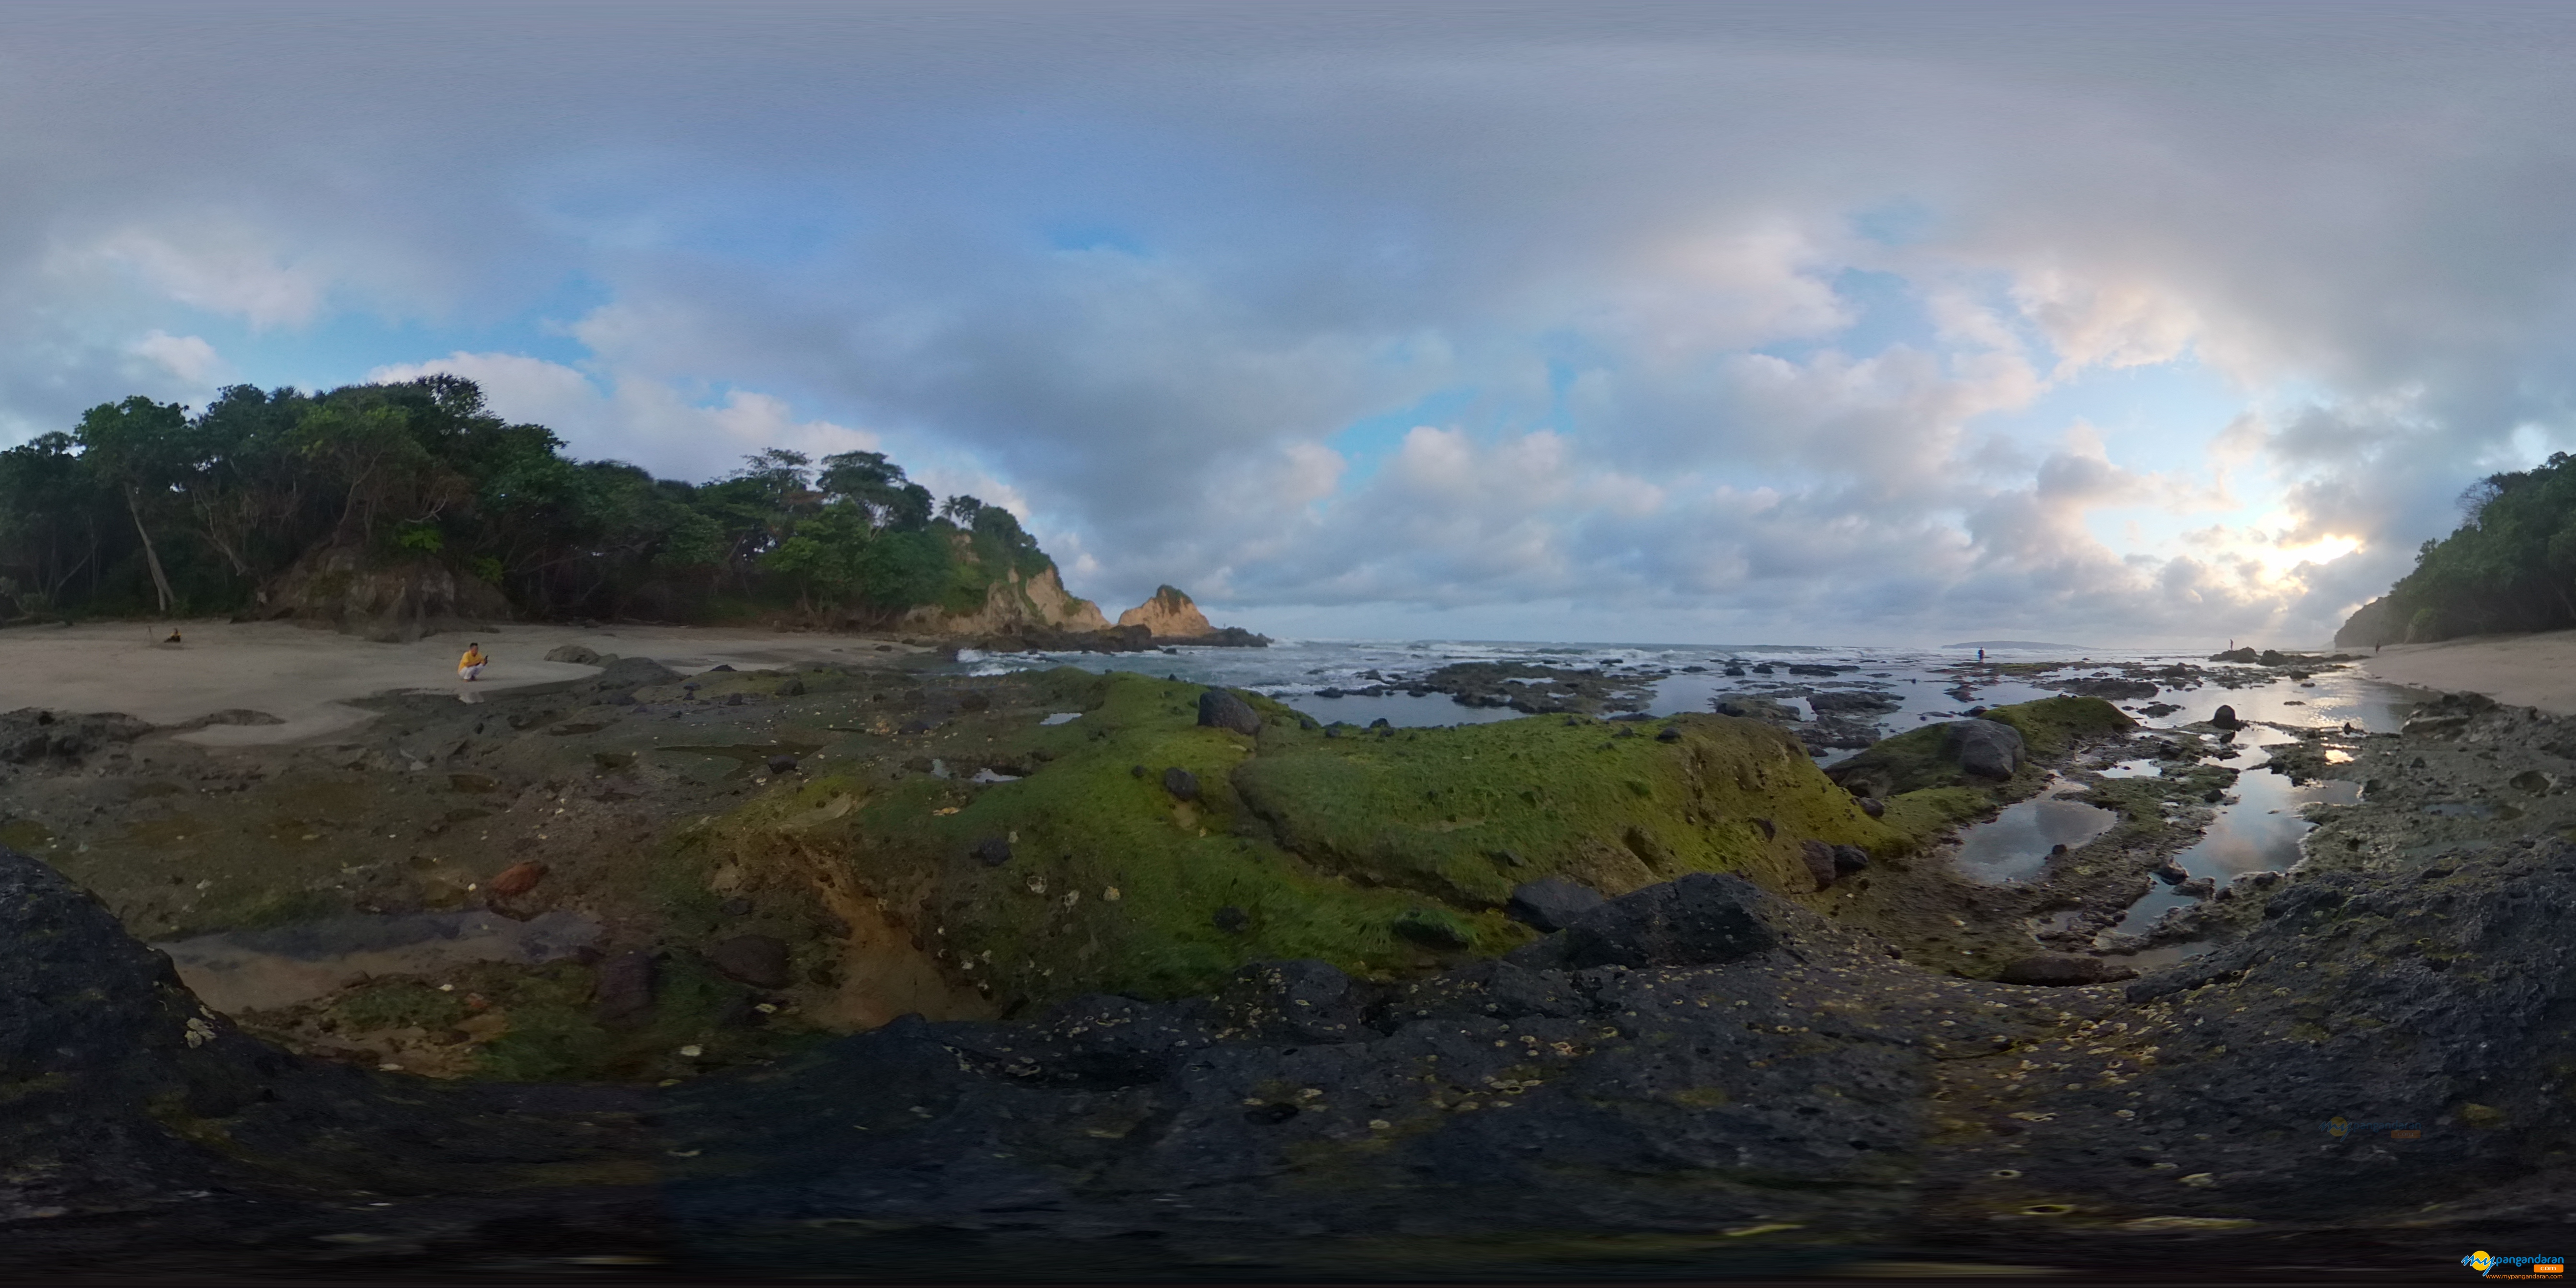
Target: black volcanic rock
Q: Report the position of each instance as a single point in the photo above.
(1220, 709)
(1684, 1065)
(1551, 903)
(1984, 748)
(1700, 920)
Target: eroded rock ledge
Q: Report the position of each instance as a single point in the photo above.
(1695, 1077)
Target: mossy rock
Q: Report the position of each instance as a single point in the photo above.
(1382, 854)
(2052, 727)
(1920, 760)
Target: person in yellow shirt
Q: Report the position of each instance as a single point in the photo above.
(472, 664)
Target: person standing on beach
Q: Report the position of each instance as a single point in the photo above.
(472, 664)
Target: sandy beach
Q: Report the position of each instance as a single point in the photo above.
(2517, 670)
(305, 677)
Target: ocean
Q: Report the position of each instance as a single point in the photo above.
(1689, 678)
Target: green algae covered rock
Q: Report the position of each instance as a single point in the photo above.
(1381, 854)
(1927, 760)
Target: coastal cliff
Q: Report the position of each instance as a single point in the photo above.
(1013, 604)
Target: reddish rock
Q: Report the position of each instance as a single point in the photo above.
(518, 879)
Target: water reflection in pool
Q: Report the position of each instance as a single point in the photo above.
(2260, 832)
(2014, 845)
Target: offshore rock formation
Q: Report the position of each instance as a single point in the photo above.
(1169, 617)
(1166, 619)
(1168, 614)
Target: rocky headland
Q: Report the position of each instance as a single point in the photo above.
(1166, 620)
(1063, 974)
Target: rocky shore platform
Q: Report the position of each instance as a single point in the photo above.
(1064, 976)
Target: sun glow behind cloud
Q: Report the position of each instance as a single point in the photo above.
(1731, 323)
(2280, 561)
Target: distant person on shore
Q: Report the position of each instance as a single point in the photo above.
(472, 664)
(1981, 657)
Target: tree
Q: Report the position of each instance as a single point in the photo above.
(421, 471)
(869, 480)
(49, 501)
(136, 445)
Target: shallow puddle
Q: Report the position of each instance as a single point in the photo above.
(2147, 959)
(2015, 844)
(2261, 832)
(247, 970)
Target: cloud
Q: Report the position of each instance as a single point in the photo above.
(186, 358)
(1617, 274)
(637, 420)
(224, 270)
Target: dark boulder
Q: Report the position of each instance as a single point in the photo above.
(1181, 783)
(576, 654)
(993, 851)
(1220, 709)
(1849, 859)
(1699, 920)
(2225, 718)
(1853, 702)
(1297, 1001)
(1984, 748)
(757, 960)
(1551, 903)
(1819, 858)
(2110, 689)
(782, 764)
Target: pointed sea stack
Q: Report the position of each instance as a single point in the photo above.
(1169, 617)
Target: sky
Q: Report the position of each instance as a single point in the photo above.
(2115, 324)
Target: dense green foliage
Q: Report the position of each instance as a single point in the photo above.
(2511, 566)
(147, 507)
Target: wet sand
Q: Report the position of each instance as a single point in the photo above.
(2517, 670)
(305, 677)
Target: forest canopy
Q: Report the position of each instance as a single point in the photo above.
(2510, 566)
(150, 508)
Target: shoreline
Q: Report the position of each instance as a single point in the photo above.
(308, 677)
(2516, 670)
